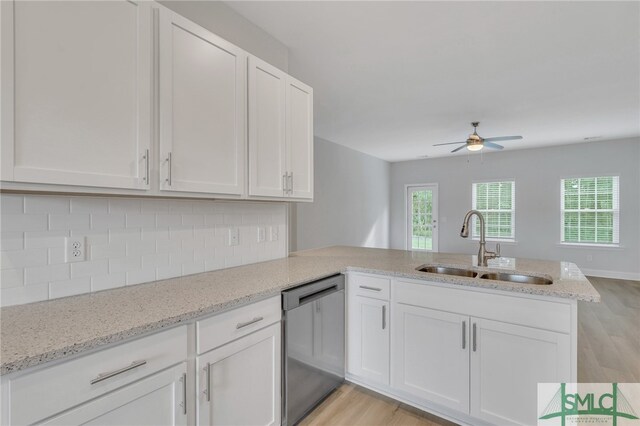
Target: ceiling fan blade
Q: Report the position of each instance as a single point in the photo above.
(449, 143)
(492, 145)
(502, 138)
(459, 148)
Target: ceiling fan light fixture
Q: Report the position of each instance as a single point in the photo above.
(476, 146)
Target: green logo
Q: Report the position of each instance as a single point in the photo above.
(612, 404)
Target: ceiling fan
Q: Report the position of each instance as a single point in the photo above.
(476, 142)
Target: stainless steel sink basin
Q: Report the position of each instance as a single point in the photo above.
(516, 278)
(448, 271)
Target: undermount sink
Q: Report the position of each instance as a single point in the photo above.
(448, 271)
(516, 278)
(498, 276)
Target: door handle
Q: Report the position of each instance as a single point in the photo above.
(169, 161)
(291, 183)
(146, 161)
(184, 393)
(285, 189)
(207, 370)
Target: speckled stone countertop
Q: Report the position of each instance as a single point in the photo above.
(36, 333)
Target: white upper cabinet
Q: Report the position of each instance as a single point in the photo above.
(202, 109)
(76, 85)
(280, 134)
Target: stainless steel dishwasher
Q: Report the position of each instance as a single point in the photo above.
(313, 345)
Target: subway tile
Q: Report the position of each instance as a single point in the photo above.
(94, 237)
(180, 206)
(124, 264)
(24, 294)
(184, 256)
(214, 219)
(154, 260)
(232, 261)
(168, 220)
(193, 244)
(192, 220)
(140, 276)
(125, 205)
(11, 240)
(44, 239)
(155, 206)
(11, 278)
(168, 271)
(70, 287)
(168, 246)
(155, 234)
(43, 274)
(204, 254)
(106, 282)
(89, 205)
(180, 233)
(23, 222)
(205, 207)
(74, 222)
(22, 258)
(139, 248)
(124, 235)
(89, 268)
(140, 220)
(107, 251)
(214, 264)
(107, 221)
(192, 268)
(11, 204)
(38, 204)
(56, 255)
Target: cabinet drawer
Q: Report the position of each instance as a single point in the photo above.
(555, 316)
(373, 286)
(43, 393)
(223, 328)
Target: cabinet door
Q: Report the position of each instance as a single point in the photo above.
(507, 363)
(240, 382)
(202, 109)
(431, 356)
(300, 138)
(76, 93)
(154, 401)
(368, 337)
(267, 143)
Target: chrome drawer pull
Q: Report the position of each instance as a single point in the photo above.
(105, 376)
(464, 334)
(370, 288)
(384, 316)
(207, 369)
(183, 379)
(244, 324)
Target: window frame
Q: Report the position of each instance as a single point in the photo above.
(408, 222)
(512, 237)
(615, 210)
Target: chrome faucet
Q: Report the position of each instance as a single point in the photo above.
(483, 254)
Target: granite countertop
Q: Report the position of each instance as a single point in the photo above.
(36, 333)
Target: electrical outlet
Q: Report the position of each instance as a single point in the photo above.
(75, 249)
(234, 237)
(261, 234)
(273, 233)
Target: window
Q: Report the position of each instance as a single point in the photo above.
(496, 202)
(590, 210)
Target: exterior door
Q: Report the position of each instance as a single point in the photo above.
(422, 217)
(76, 93)
(507, 363)
(369, 339)
(240, 381)
(157, 400)
(202, 109)
(431, 355)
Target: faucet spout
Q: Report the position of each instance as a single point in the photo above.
(483, 254)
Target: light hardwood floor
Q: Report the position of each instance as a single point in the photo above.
(608, 351)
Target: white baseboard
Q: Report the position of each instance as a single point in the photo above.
(635, 276)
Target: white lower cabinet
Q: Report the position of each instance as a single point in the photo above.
(156, 400)
(431, 356)
(368, 332)
(239, 383)
(474, 356)
(507, 363)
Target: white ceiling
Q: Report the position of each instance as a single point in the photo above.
(393, 78)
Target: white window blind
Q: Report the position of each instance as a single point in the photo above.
(496, 202)
(590, 210)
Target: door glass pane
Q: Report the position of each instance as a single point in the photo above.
(422, 220)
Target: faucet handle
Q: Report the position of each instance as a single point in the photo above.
(498, 250)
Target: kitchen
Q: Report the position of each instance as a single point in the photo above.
(202, 201)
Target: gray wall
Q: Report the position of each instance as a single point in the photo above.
(537, 173)
(351, 201)
(223, 21)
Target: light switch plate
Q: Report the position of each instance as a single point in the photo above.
(234, 237)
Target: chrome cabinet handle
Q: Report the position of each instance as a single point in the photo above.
(146, 160)
(110, 374)
(285, 189)
(370, 288)
(184, 393)
(464, 334)
(384, 316)
(474, 336)
(244, 324)
(291, 183)
(169, 161)
(207, 369)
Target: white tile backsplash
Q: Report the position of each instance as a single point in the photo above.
(129, 241)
